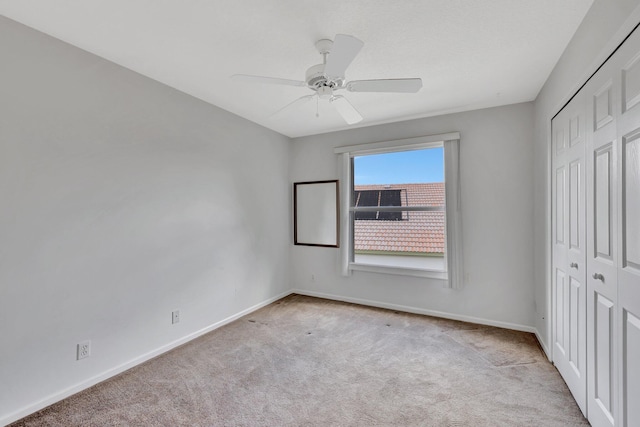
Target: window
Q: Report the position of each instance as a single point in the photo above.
(404, 210)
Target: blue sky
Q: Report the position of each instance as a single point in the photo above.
(400, 168)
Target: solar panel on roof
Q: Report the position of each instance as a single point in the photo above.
(390, 198)
(378, 198)
(367, 197)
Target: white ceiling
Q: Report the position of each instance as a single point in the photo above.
(469, 53)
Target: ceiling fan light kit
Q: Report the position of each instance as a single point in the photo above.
(327, 78)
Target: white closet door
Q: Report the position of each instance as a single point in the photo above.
(602, 292)
(629, 232)
(568, 225)
(608, 267)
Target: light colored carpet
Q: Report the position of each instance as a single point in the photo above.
(305, 361)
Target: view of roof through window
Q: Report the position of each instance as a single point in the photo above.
(398, 237)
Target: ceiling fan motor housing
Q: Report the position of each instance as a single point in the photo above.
(316, 78)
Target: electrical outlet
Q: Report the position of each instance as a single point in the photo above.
(175, 316)
(84, 350)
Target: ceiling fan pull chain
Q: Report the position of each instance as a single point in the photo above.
(317, 107)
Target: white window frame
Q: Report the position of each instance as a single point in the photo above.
(453, 217)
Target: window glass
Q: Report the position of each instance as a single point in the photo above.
(409, 229)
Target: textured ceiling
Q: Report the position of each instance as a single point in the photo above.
(469, 53)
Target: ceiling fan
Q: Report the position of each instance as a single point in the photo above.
(327, 78)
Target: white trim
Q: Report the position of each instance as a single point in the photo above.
(545, 349)
(451, 146)
(416, 310)
(58, 396)
(417, 143)
(402, 271)
(548, 258)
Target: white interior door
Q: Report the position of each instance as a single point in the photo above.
(602, 291)
(629, 232)
(569, 266)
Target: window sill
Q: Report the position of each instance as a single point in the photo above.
(402, 271)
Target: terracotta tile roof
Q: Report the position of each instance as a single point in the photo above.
(417, 232)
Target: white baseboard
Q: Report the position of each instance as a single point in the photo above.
(543, 345)
(56, 397)
(416, 310)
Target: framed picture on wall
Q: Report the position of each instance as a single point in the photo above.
(316, 213)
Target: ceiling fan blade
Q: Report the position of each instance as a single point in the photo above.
(385, 85)
(346, 110)
(344, 50)
(300, 101)
(267, 80)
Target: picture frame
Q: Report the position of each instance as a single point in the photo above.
(316, 213)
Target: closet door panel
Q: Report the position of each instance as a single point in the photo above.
(628, 262)
(602, 386)
(576, 314)
(603, 106)
(604, 374)
(602, 200)
(631, 369)
(561, 322)
(631, 200)
(576, 213)
(569, 246)
(602, 297)
(559, 206)
(629, 275)
(631, 83)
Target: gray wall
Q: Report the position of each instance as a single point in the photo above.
(122, 200)
(496, 179)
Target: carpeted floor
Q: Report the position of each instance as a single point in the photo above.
(306, 361)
